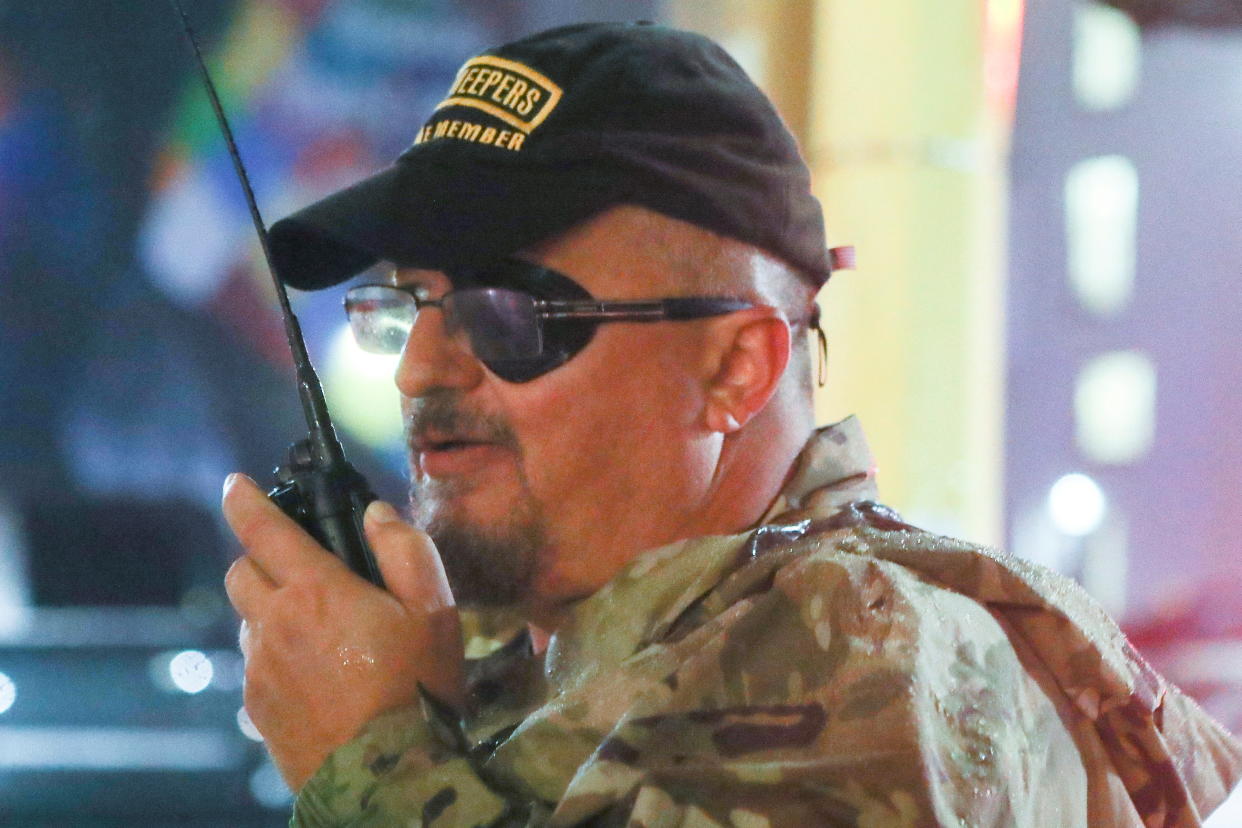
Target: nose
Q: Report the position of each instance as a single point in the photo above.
(432, 359)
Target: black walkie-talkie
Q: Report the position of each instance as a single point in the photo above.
(316, 486)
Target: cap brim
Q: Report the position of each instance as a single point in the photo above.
(435, 213)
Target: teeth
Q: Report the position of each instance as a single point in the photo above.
(447, 445)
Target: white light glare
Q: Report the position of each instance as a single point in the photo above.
(8, 693)
(1115, 407)
(246, 725)
(1076, 504)
(1101, 217)
(360, 390)
(1108, 50)
(191, 671)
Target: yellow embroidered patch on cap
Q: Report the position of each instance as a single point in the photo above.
(505, 89)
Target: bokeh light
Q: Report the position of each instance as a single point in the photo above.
(1076, 504)
(268, 788)
(1101, 220)
(1108, 50)
(8, 693)
(360, 390)
(246, 725)
(1115, 407)
(190, 671)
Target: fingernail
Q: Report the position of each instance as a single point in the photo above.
(381, 512)
(235, 478)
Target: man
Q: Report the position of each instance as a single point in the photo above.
(606, 260)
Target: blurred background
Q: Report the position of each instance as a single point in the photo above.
(1041, 339)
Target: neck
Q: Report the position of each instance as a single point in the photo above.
(743, 474)
(755, 462)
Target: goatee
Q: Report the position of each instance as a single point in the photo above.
(486, 565)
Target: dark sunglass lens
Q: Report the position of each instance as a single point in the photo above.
(501, 324)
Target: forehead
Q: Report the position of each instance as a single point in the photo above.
(624, 252)
(516, 274)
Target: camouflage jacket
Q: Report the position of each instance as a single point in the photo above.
(833, 667)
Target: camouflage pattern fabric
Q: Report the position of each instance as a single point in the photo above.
(833, 667)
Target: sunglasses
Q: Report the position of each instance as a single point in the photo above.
(521, 319)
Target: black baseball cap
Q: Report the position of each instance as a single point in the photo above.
(540, 134)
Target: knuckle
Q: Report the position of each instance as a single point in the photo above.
(233, 577)
(403, 539)
(256, 674)
(302, 599)
(259, 530)
(305, 591)
(260, 524)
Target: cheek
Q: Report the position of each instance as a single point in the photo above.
(559, 437)
(602, 425)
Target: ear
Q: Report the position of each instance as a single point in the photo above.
(750, 369)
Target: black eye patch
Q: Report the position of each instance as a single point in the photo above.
(562, 338)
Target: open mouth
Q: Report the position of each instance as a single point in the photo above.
(447, 443)
(439, 456)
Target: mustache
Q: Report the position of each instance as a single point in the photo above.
(442, 411)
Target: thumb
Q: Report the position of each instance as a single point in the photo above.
(408, 560)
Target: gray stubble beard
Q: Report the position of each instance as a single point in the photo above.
(486, 566)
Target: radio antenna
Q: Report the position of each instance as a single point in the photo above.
(317, 486)
(314, 407)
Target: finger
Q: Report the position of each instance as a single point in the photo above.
(247, 586)
(279, 547)
(407, 559)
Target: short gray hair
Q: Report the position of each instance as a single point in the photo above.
(706, 263)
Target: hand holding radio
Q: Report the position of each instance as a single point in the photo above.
(326, 651)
